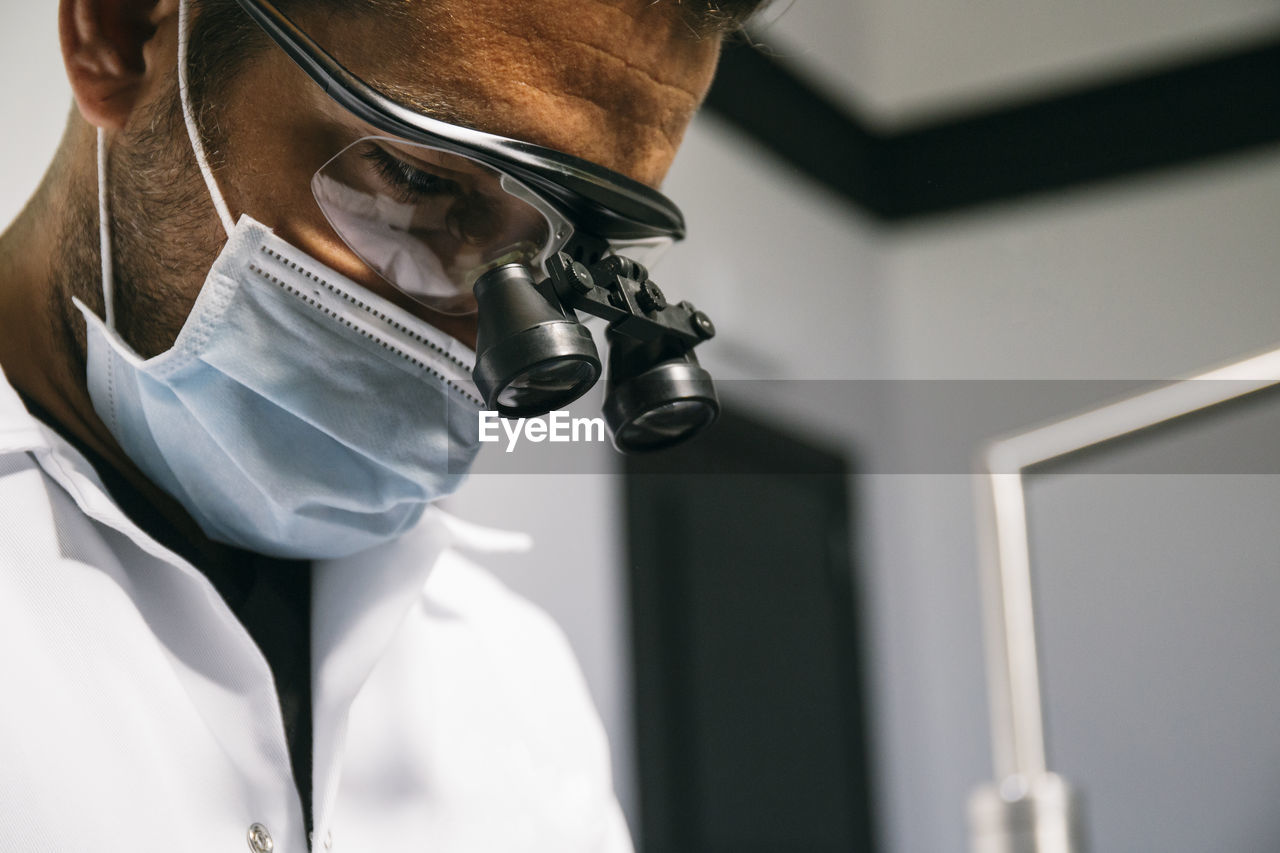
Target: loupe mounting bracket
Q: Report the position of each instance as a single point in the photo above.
(618, 290)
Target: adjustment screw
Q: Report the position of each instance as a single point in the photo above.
(650, 297)
(580, 277)
(703, 326)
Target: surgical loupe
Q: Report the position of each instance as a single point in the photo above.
(532, 354)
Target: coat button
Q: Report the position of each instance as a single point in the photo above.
(259, 839)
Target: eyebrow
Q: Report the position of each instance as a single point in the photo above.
(430, 105)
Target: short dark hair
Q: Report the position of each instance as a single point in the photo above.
(707, 17)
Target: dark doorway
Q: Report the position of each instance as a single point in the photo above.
(747, 657)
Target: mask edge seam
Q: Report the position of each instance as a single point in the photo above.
(416, 362)
(369, 309)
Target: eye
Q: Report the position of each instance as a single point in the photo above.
(409, 183)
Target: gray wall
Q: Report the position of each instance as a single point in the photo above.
(1144, 279)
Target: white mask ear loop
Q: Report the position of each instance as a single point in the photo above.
(188, 117)
(104, 236)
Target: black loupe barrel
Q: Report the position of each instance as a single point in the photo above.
(654, 402)
(531, 355)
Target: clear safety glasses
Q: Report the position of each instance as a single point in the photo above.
(467, 222)
(432, 222)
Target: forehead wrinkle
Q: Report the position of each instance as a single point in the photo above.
(681, 92)
(658, 58)
(627, 94)
(646, 74)
(666, 58)
(622, 155)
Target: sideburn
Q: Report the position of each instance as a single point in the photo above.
(165, 232)
(75, 265)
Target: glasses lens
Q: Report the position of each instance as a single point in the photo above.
(430, 222)
(647, 252)
(666, 424)
(548, 386)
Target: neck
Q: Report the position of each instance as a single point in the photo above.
(42, 356)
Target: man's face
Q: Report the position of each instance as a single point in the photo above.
(612, 82)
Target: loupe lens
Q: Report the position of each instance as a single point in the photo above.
(665, 405)
(668, 424)
(548, 386)
(532, 355)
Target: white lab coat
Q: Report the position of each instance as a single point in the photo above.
(137, 714)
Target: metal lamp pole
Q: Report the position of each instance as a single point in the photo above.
(1028, 809)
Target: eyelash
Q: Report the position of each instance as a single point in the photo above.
(411, 183)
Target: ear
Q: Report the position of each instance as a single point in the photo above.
(105, 49)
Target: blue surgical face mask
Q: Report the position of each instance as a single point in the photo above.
(297, 414)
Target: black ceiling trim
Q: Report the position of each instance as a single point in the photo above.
(1162, 119)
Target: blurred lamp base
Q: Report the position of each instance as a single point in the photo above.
(1026, 814)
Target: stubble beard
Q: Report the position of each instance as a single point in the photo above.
(164, 235)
